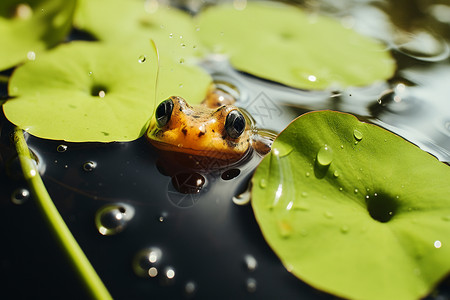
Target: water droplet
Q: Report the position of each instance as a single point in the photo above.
(180, 85)
(344, 229)
(162, 217)
(342, 146)
(356, 191)
(307, 174)
(190, 288)
(142, 59)
(341, 189)
(170, 35)
(101, 94)
(250, 262)
(31, 55)
(61, 148)
(263, 183)
(285, 228)
(437, 244)
(181, 60)
(113, 218)
(90, 73)
(336, 174)
(183, 45)
(325, 156)
(222, 33)
(20, 196)
(357, 134)
(89, 166)
(304, 194)
(146, 261)
(446, 218)
(251, 285)
(328, 215)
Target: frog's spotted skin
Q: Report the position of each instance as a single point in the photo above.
(199, 131)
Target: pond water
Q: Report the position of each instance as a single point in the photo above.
(146, 239)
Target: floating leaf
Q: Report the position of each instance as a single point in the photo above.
(134, 22)
(287, 45)
(353, 209)
(85, 91)
(29, 27)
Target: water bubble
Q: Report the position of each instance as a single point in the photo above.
(146, 261)
(113, 218)
(190, 288)
(61, 148)
(20, 196)
(357, 135)
(325, 156)
(89, 166)
(263, 183)
(250, 262)
(142, 59)
(251, 285)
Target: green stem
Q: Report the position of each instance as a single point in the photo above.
(77, 257)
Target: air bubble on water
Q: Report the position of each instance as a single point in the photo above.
(142, 59)
(250, 262)
(251, 285)
(145, 262)
(89, 166)
(61, 148)
(325, 156)
(190, 288)
(357, 135)
(162, 217)
(113, 218)
(20, 196)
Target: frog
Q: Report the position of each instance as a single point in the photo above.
(224, 133)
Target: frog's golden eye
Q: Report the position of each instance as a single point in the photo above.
(164, 112)
(235, 124)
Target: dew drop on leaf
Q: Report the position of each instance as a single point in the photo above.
(325, 156)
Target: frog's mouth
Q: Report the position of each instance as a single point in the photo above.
(219, 154)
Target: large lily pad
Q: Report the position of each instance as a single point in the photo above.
(133, 22)
(85, 91)
(353, 209)
(29, 27)
(287, 45)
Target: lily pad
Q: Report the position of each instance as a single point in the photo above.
(134, 22)
(354, 210)
(86, 91)
(285, 44)
(29, 27)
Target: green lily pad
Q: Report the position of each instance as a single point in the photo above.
(29, 27)
(354, 210)
(86, 91)
(133, 22)
(285, 44)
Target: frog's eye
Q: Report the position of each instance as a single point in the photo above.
(163, 112)
(235, 124)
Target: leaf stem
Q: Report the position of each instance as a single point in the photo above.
(77, 257)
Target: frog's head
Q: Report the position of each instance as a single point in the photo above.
(222, 133)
